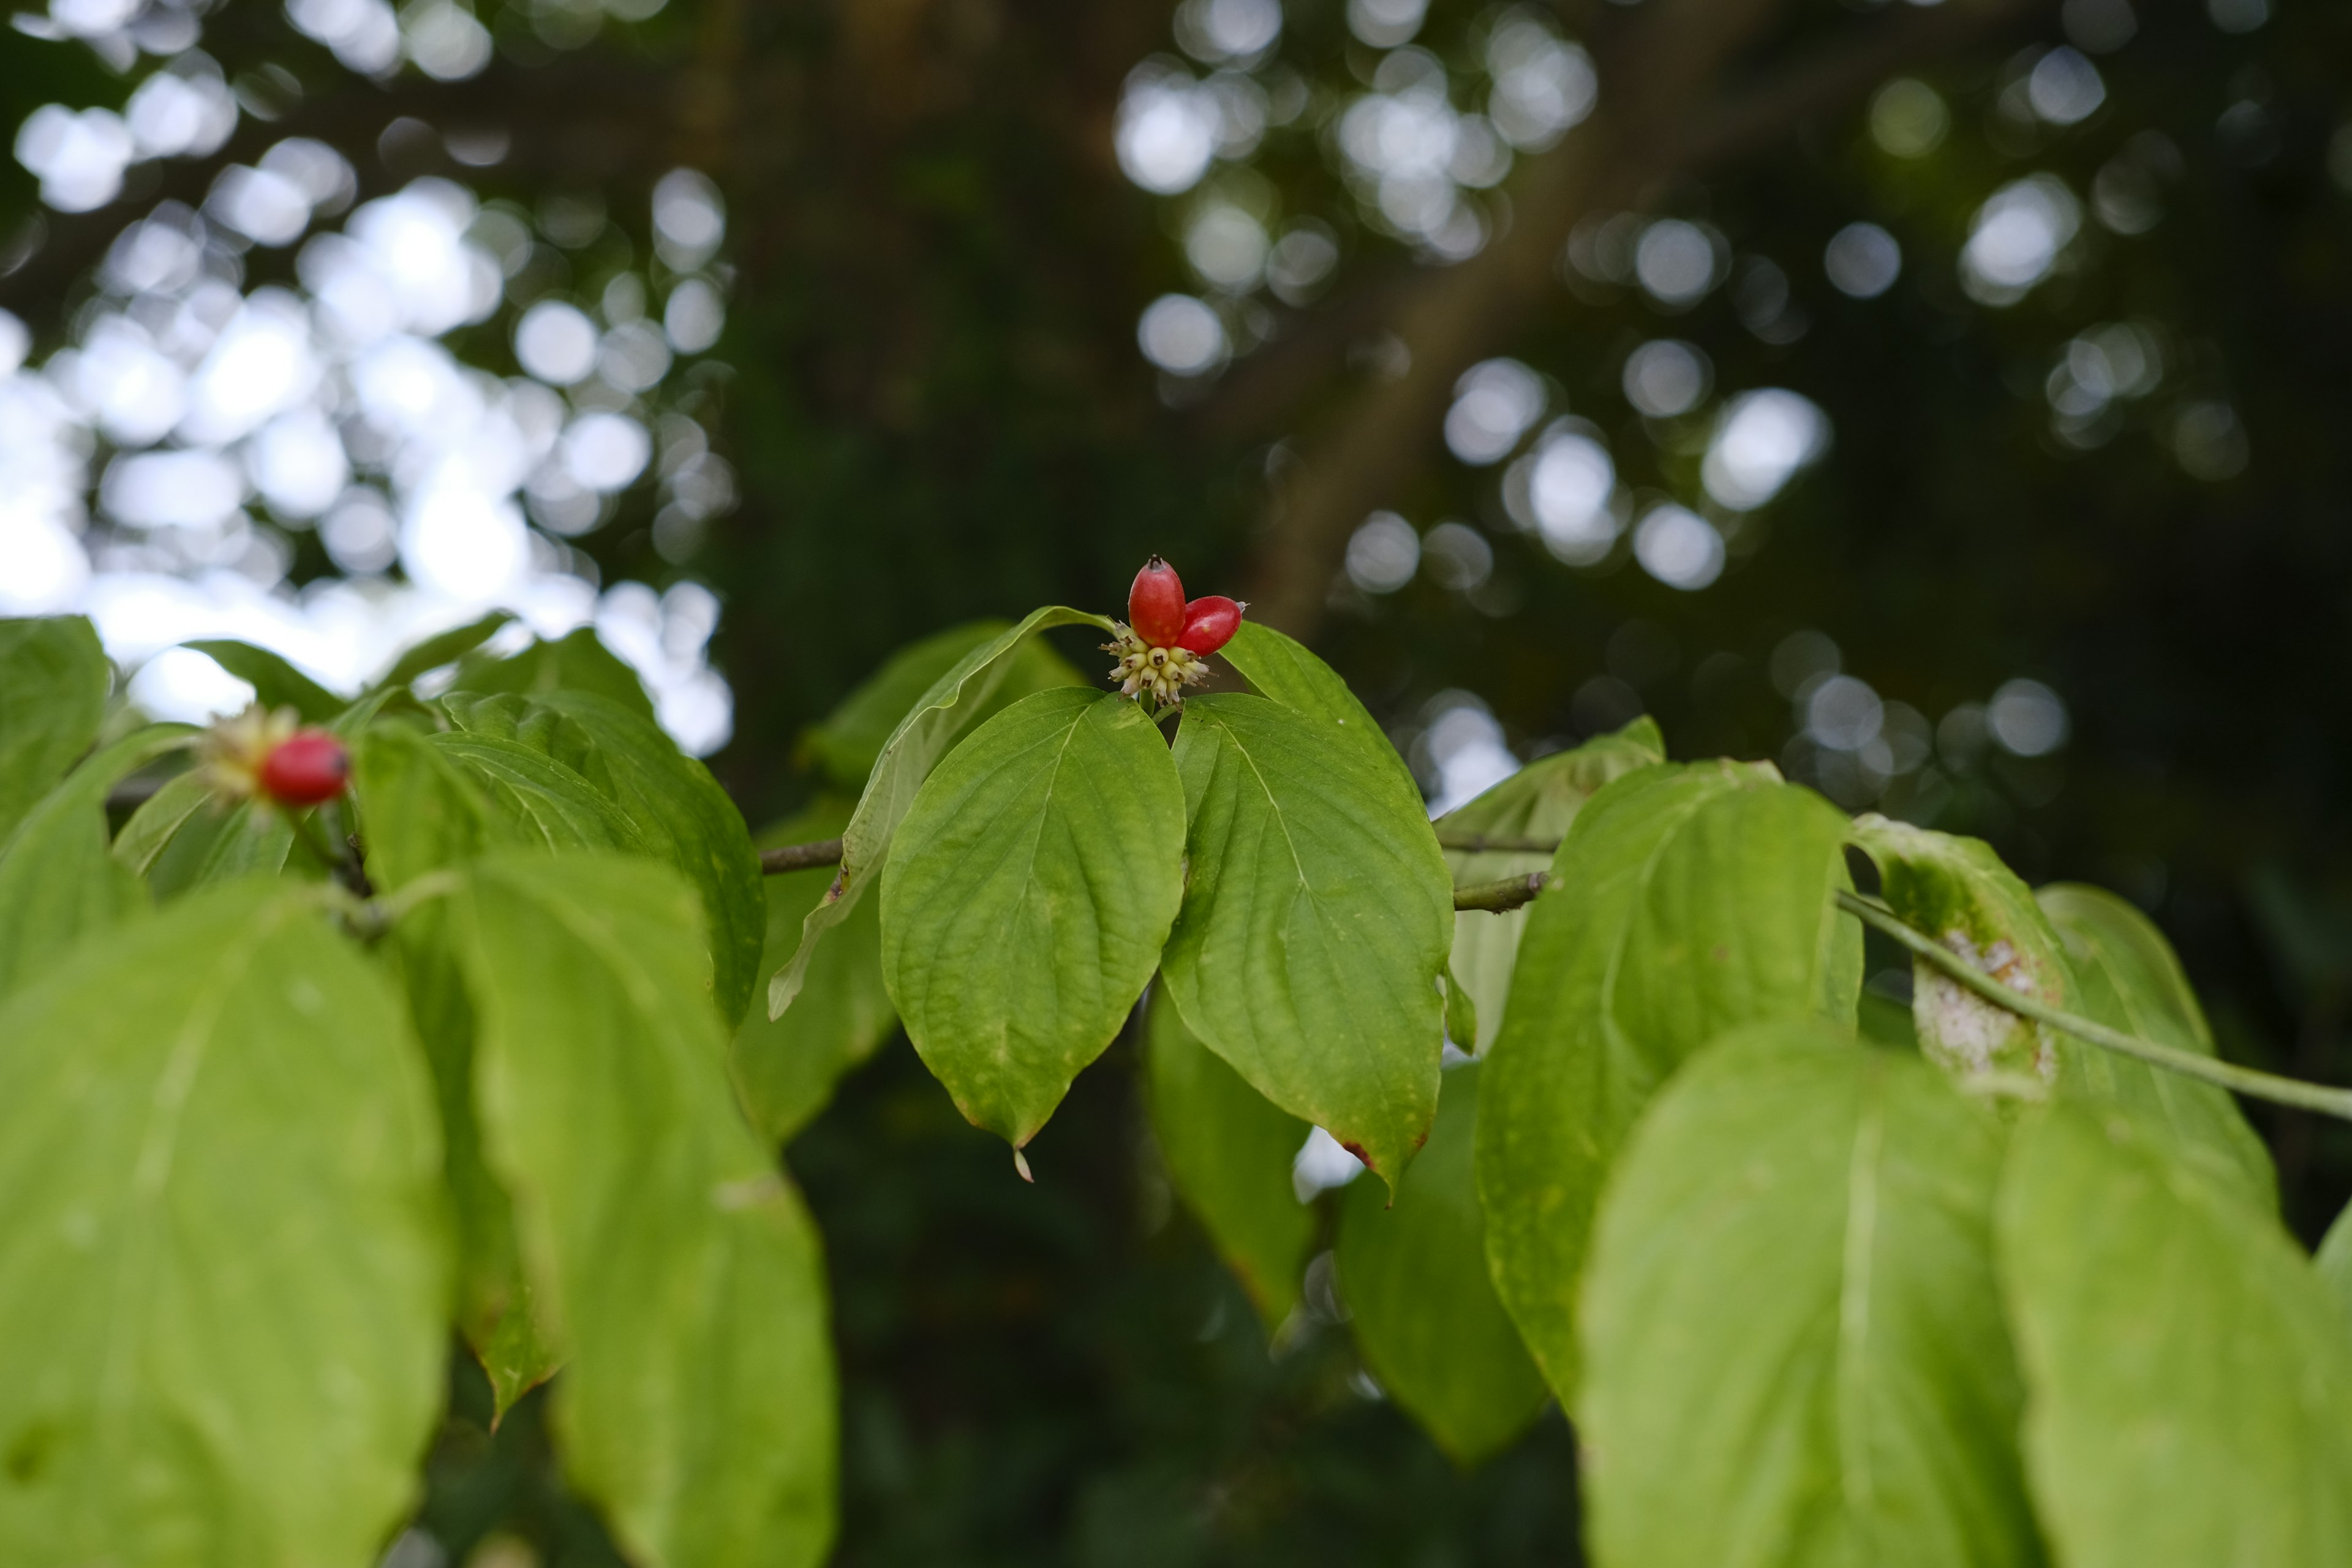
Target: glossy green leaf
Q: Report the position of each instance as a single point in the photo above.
(2188, 1378)
(1687, 900)
(785, 1069)
(673, 1263)
(2334, 1261)
(444, 648)
(678, 808)
(1413, 1275)
(1957, 891)
(575, 661)
(275, 682)
(54, 679)
(947, 711)
(1794, 1338)
(845, 746)
(2124, 975)
(1229, 1151)
(1026, 898)
(1537, 803)
(57, 883)
(1317, 918)
(224, 1271)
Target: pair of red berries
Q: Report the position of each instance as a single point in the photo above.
(1157, 609)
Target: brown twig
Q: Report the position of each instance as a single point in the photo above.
(1501, 896)
(800, 856)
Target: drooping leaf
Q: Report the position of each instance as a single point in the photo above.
(1026, 898)
(2188, 1379)
(785, 1069)
(678, 808)
(2334, 1261)
(946, 711)
(1793, 1341)
(57, 883)
(1414, 1276)
(1316, 920)
(223, 1264)
(275, 682)
(668, 1257)
(1688, 899)
(1534, 805)
(444, 648)
(1957, 891)
(845, 746)
(2124, 975)
(53, 684)
(575, 661)
(1229, 1151)
(1461, 1007)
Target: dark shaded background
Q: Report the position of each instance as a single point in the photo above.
(931, 392)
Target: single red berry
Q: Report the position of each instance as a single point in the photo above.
(1210, 622)
(1155, 605)
(311, 767)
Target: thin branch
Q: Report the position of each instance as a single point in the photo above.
(2243, 1080)
(1501, 896)
(800, 856)
(1480, 844)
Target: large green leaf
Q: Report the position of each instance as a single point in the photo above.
(1413, 1275)
(1026, 898)
(57, 883)
(2188, 1378)
(1283, 670)
(1316, 917)
(669, 1257)
(2124, 975)
(785, 1069)
(1534, 805)
(845, 746)
(575, 661)
(224, 1271)
(53, 683)
(678, 808)
(1229, 1151)
(275, 682)
(1958, 891)
(1689, 900)
(1794, 1347)
(944, 713)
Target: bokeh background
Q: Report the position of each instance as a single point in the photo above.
(1946, 401)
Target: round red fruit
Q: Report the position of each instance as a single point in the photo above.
(1155, 605)
(311, 767)
(1210, 622)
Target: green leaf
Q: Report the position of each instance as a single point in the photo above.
(678, 809)
(1229, 1151)
(785, 1069)
(1282, 670)
(1315, 921)
(844, 747)
(2124, 975)
(1793, 1334)
(1958, 891)
(444, 648)
(573, 662)
(2188, 1379)
(1536, 803)
(1425, 1315)
(674, 1264)
(2335, 1261)
(276, 683)
(1690, 899)
(222, 1270)
(1026, 898)
(946, 711)
(438, 800)
(159, 820)
(54, 679)
(1461, 1007)
(57, 883)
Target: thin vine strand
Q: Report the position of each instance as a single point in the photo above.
(2243, 1080)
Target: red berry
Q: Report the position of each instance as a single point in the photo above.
(1155, 605)
(1209, 624)
(311, 767)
